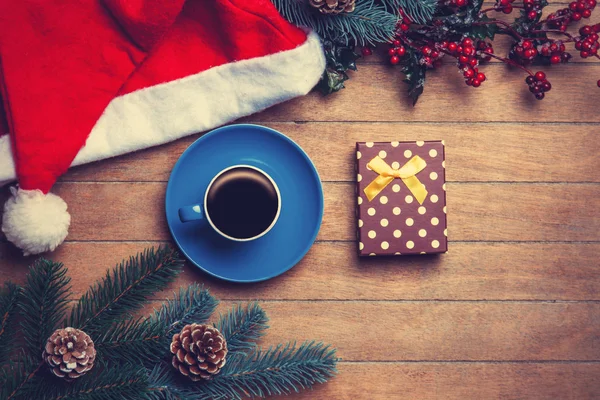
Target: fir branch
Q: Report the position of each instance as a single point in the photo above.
(368, 23)
(420, 11)
(192, 304)
(18, 377)
(145, 340)
(8, 305)
(280, 370)
(101, 383)
(163, 385)
(241, 327)
(43, 303)
(137, 340)
(125, 289)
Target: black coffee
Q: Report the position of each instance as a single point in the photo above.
(242, 203)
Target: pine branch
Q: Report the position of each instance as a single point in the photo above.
(419, 11)
(368, 23)
(146, 340)
(18, 377)
(163, 385)
(101, 383)
(8, 306)
(280, 370)
(125, 289)
(43, 303)
(192, 304)
(243, 326)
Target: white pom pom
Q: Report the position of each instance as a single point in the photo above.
(35, 222)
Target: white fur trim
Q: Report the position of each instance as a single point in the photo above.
(35, 222)
(196, 103)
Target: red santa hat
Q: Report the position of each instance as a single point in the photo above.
(87, 80)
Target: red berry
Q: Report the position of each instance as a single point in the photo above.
(480, 77)
(540, 76)
(452, 47)
(532, 15)
(460, 3)
(463, 59)
(476, 83)
(546, 86)
(401, 51)
(435, 54)
(473, 62)
(530, 53)
(404, 27)
(467, 42)
(507, 9)
(578, 45)
(573, 5)
(591, 3)
(392, 51)
(427, 60)
(555, 59)
(527, 44)
(396, 43)
(530, 79)
(576, 16)
(580, 5)
(586, 13)
(584, 54)
(366, 51)
(469, 73)
(598, 83)
(545, 51)
(394, 60)
(539, 96)
(468, 51)
(426, 50)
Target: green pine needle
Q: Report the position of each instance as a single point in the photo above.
(103, 382)
(280, 370)
(9, 297)
(18, 377)
(242, 326)
(43, 303)
(193, 304)
(419, 11)
(163, 385)
(368, 23)
(125, 289)
(146, 340)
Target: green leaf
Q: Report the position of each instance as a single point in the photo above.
(339, 58)
(9, 297)
(415, 75)
(125, 289)
(243, 326)
(43, 303)
(19, 378)
(483, 31)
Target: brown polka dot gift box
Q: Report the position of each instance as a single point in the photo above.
(401, 193)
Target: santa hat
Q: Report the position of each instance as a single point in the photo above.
(87, 80)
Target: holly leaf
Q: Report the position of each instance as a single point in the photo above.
(339, 59)
(415, 75)
(484, 31)
(332, 81)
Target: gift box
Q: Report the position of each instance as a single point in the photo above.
(401, 198)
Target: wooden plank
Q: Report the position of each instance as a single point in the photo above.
(331, 271)
(377, 381)
(440, 331)
(477, 211)
(474, 152)
(377, 93)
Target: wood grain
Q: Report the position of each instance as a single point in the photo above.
(475, 152)
(459, 381)
(516, 212)
(332, 271)
(377, 93)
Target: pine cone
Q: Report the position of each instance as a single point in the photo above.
(199, 351)
(333, 6)
(70, 353)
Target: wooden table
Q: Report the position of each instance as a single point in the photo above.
(511, 311)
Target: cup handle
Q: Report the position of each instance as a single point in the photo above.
(191, 213)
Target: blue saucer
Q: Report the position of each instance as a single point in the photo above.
(301, 203)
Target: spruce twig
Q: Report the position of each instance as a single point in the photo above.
(17, 377)
(43, 303)
(420, 11)
(280, 370)
(9, 297)
(242, 326)
(104, 382)
(139, 339)
(125, 289)
(368, 23)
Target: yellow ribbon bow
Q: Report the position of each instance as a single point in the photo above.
(387, 174)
